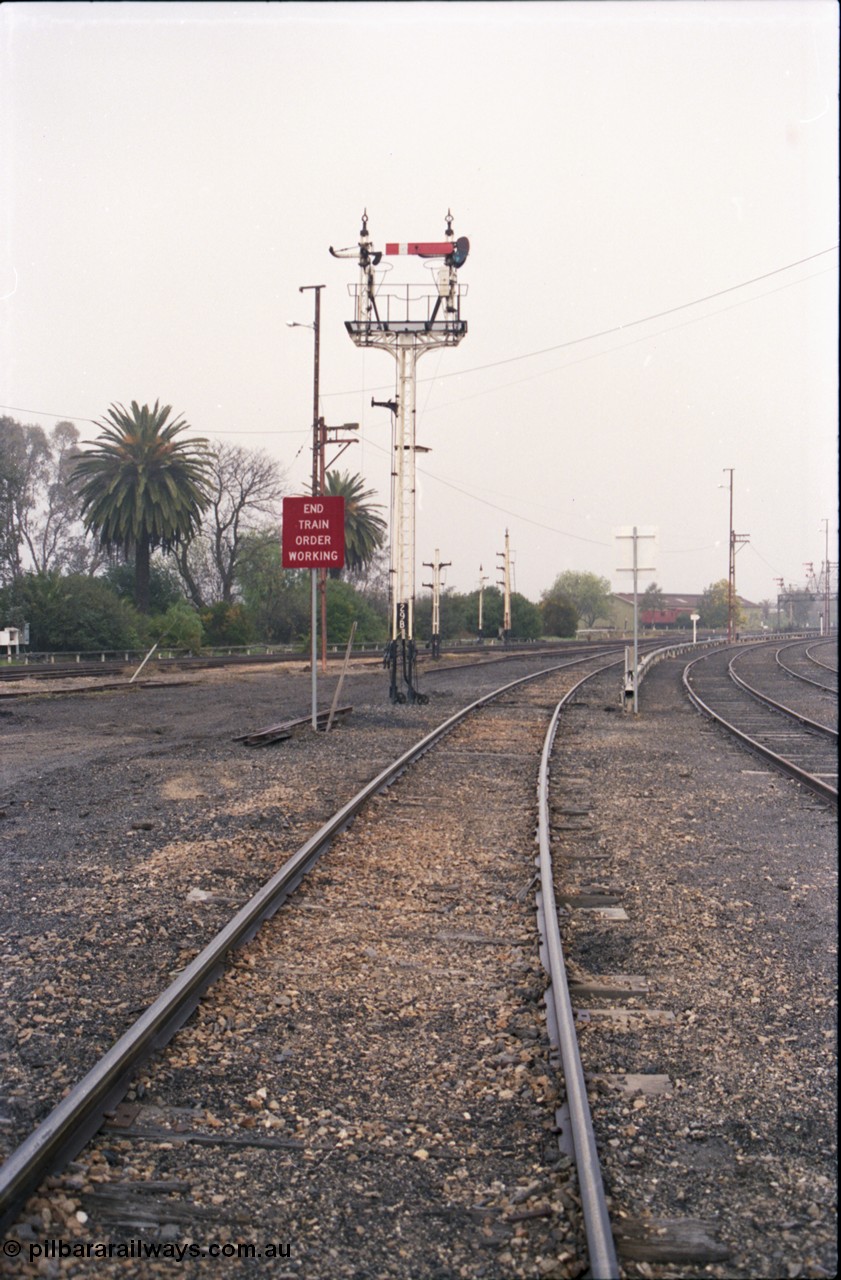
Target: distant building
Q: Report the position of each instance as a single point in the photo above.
(674, 605)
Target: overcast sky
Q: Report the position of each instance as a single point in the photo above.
(650, 193)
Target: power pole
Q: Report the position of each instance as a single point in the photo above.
(505, 583)
(482, 580)
(406, 321)
(736, 540)
(436, 566)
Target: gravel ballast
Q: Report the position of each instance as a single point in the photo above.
(132, 828)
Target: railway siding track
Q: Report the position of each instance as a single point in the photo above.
(422, 965)
(798, 745)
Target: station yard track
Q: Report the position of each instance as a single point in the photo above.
(36, 677)
(786, 722)
(416, 976)
(371, 1084)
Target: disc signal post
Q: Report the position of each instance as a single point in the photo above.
(505, 583)
(406, 321)
(436, 566)
(482, 580)
(630, 686)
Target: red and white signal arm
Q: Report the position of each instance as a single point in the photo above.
(423, 248)
(456, 253)
(313, 533)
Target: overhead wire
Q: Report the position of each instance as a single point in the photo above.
(631, 324)
(527, 355)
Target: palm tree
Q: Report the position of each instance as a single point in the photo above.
(141, 488)
(365, 531)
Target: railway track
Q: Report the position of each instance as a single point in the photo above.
(825, 654)
(796, 743)
(46, 669)
(483, 740)
(114, 673)
(811, 663)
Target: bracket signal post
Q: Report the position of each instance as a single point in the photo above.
(405, 320)
(436, 566)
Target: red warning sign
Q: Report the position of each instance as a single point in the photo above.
(313, 533)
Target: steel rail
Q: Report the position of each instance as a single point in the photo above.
(600, 1244)
(742, 683)
(809, 780)
(63, 1133)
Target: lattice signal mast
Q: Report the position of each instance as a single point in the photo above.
(406, 320)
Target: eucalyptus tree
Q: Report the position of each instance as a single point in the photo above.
(23, 458)
(142, 487)
(40, 528)
(245, 488)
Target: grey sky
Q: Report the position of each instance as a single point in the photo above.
(172, 174)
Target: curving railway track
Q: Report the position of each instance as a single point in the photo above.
(476, 754)
(816, 663)
(743, 691)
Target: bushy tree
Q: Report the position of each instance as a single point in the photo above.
(346, 605)
(165, 586)
(278, 600)
(71, 613)
(460, 616)
(589, 594)
(226, 623)
(179, 628)
(560, 616)
(713, 606)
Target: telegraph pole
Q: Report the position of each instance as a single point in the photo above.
(316, 454)
(436, 566)
(505, 583)
(736, 540)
